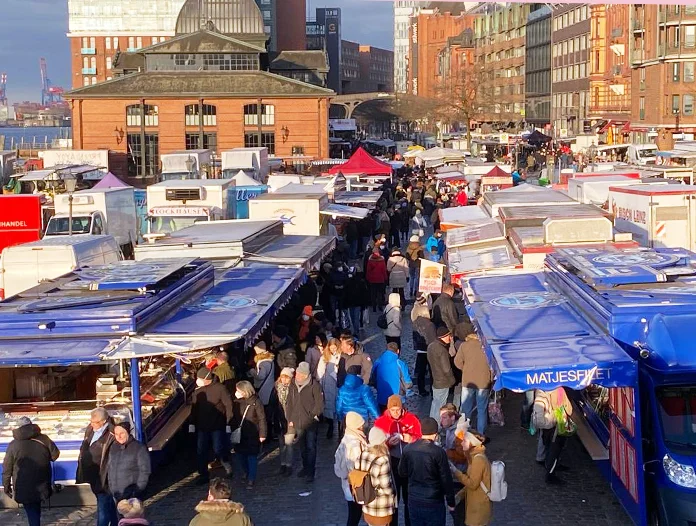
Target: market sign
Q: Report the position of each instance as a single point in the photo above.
(431, 276)
(179, 211)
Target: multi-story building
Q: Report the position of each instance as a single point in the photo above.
(570, 81)
(350, 67)
(376, 69)
(499, 39)
(455, 59)
(98, 30)
(324, 33)
(403, 11)
(663, 57)
(430, 32)
(203, 89)
(610, 72)
(537, 88)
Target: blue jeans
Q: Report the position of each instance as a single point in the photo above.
(33, 511)
(220, 447)
(355, 318)
(427, 514)
(413, 280)
(439, 399)
(106, 510)
(480, 396)
(248, 464)
(307, 440)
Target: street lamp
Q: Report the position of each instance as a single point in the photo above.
(190, 163)
(70, 185)
(676, 112)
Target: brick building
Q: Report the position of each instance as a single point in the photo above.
(98, 30)
(570, 70)
(610, 72)
(455, 59)
(429, 34)
(203, 89)
(663, 56)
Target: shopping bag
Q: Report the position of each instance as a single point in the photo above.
(495, 412)
(564, 425)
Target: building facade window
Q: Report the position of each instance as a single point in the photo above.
(675, 104)
(641, 108)
(688, 71)
(676, 66)
(251, 115)
(193, 141)
(108, 42)
(136, 112)
(108, 62)
(192, 115)
(688, 104)
(260, 140)
(143, 157)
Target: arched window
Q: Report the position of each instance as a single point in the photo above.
(227, 16)
(93, 63)
(251, 115)
(135, 113)
(192, 115)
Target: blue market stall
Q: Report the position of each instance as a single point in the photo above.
(611, 327)
(124, 336)
(246, 188)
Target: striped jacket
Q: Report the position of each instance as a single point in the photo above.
(380, 473)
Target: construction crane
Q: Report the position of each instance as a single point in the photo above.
(50, 95)
(3, 89)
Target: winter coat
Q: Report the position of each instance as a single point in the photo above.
(390, 375)
(423, 328)
(327, 376)
(279, 406)
(305, 405)
(418, 225)
(429, 479)
(440, 367)
(379, 468)
(253, 426)
(376, 270)
(393, 314)
(445, 313)
(286, 355)
(408, 424)
(347, 454)
(397, 267)
(211, 408)
(128, 469)
(264, 375)
(435, 242)
(312, 357)
(351, 231)
(478, 505)
(471, 359)
(133, 522)
(225, 375)
(359, 360)
(91, 464)
(26, 471)
(356, 293)
(220, 513)
(355, 396)
(414, 253)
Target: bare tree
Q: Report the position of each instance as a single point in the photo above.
(414, 111)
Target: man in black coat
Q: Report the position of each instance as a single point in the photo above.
(444, 310)
(26, 470)
(304, 407)
(128, 468)
(441, 369)
(92, 464)
(211, 413)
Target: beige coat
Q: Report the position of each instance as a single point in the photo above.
(478, 505)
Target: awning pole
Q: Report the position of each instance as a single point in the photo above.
(135, 395)
(178, 369)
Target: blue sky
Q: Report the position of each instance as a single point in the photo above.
(31, 29)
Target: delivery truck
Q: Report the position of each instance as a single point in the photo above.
(25, 266)
(657, 215)
(97, 212)
(173, 205)
(22, 219)
(187, 164)
(252, 161)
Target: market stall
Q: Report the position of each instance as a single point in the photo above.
(364, 164)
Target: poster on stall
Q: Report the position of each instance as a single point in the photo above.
(431, 275)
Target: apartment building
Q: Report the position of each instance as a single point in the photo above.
(537, 86)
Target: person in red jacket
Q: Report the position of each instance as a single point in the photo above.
(402, 428)
(462, 198)
(376, 276)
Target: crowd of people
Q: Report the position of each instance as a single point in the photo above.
(311, 372)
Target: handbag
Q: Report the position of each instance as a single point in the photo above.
(236, 436)
(495, 411)
(382, 322)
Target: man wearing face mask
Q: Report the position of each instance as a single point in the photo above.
(211, 411)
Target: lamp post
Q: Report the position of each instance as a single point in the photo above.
(190, 163)
(70, 185)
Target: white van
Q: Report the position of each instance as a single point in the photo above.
(25, 266)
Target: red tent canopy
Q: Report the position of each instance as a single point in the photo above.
(362, 162)
(497, 172)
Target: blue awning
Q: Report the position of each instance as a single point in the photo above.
(131, 275)
(241, 305)
(534, 339)
(52, 352)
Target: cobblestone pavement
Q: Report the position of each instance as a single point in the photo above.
(585, 499)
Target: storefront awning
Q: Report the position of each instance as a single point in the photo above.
(358, 198)
(53, 352)
(302, 251)
(534, 340)
(350, 212)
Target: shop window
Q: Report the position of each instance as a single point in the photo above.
(193, 141)
(137, 165)
(260, 140)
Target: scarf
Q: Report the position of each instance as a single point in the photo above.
(282, 391)
(302, 385)
(357, 434)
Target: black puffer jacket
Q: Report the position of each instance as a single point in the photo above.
(26, 470)
(128, 469)
(253, 427)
